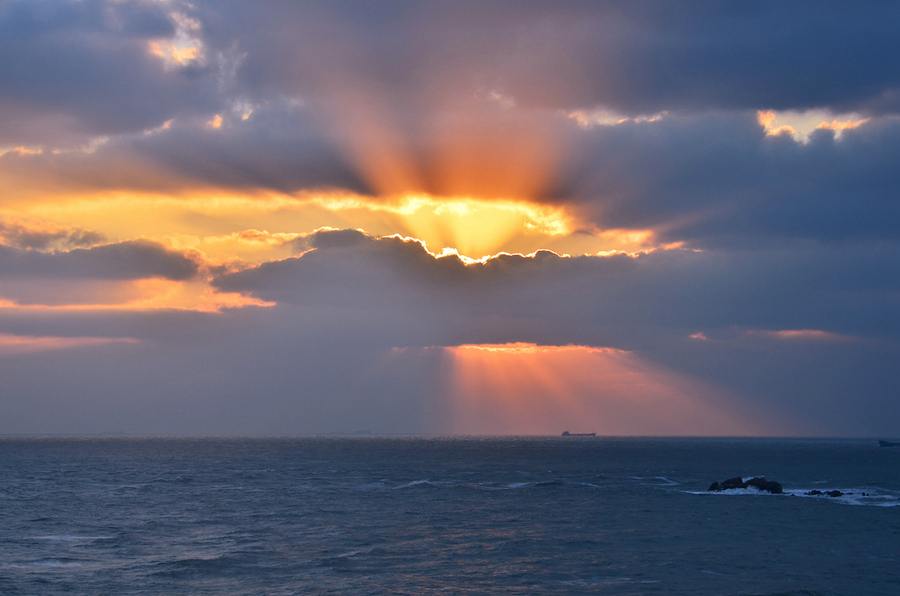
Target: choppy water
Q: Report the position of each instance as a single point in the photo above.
(448, 516)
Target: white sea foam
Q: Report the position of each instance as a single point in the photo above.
(872, 497)
(499, 486)
(850, 496)
(662, 480)
(734, 491)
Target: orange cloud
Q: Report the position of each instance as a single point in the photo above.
(221, 225)
(22, 151)
(769, 121)
(132, 295)
(838, 126)
(175, 54)
(800, 124)
(185, 48)
(15, 344)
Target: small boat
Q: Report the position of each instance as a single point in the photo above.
(888, 444)
(568, 434)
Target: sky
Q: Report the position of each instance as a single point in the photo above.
(423, 217)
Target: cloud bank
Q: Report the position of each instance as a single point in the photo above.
(213, 215)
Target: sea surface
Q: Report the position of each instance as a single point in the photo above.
(410, 515)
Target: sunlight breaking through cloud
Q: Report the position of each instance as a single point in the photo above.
(529, 389)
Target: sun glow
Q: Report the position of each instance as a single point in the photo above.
(529, 389)
(475, 228)
(131, 295)
(14, 344)
(257, 228)
(21, 150)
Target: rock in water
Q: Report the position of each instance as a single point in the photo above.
(736, 482)
(827, 493)
(759, 483)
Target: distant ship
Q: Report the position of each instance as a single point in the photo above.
(888, 444)
(568, 434)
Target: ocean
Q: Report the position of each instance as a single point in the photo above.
(415, 515)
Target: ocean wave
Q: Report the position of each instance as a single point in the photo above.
(515, 485)
(173, 479)
(484, 485)
(371, 485)
(658, 480)
(193, 567)
(605, 581)
(72, 538)
(129, 487)
(418, 483)
(55, 564)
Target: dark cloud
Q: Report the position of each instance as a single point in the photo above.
(73, 70)
(366, 291)
(87, 67)
(644, 57)
(719, 180)
(636, 57)
(20, 235)
(466, 99)
(133, 259)
(190, 373)
(545, 298)
(322, 359)
(709, 181)
(281, 148)
(459, 98)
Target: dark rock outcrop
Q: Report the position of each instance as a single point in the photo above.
(736, 482)
(767, 485)
(827, 493)
(759, 483)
